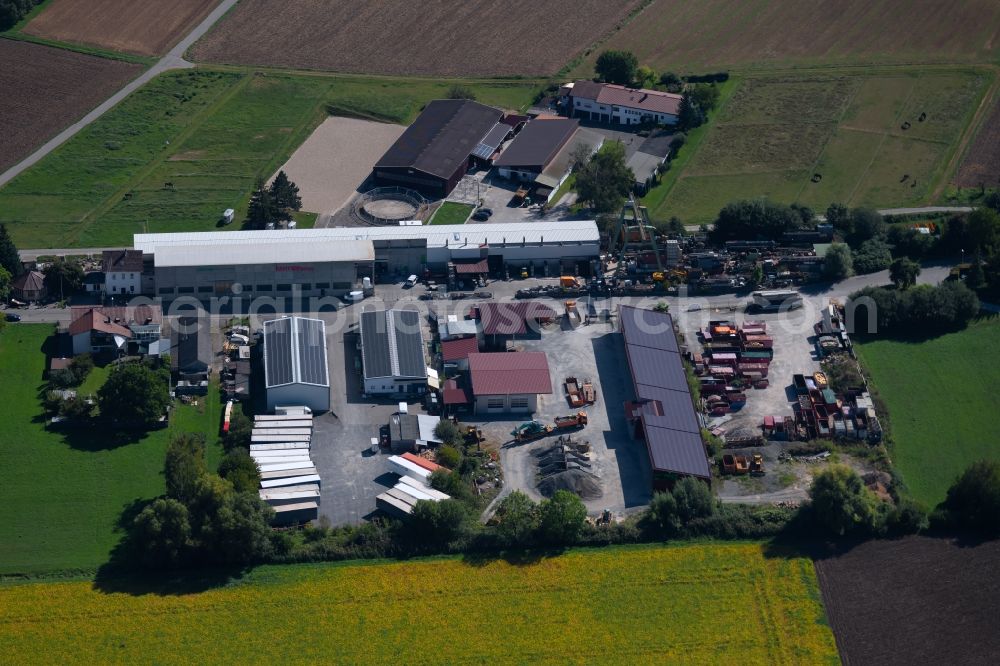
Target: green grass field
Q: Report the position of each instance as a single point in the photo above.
(824, 137)
(190, 144)
(63, 493)
(941, 401)
(451, 213)
(706, 603)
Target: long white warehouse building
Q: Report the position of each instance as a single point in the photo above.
(328, 261)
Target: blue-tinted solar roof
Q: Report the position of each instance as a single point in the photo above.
(295, 352)
(648, 329)
(671, 427)
(492, 141)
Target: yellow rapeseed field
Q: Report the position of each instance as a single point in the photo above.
(710, 603)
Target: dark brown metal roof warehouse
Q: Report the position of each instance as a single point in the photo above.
(433, 153)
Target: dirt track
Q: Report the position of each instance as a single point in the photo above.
(336, 159)
(429, 38)
(916, 600)
(45, 89)
(133, 26)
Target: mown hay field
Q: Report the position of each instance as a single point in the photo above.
(685, 37)
(941, 405)
(874, 139)
(64, 492)
(143, 28)
(190, 144)
(709, 603)
(46, 89)
(431, 38)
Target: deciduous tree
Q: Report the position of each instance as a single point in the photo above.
(133, 394)
(605, 181)
(617, 67)
(517, 518)
(903, 272)
(841, 504)
(561, 518)
(63, 277)
(838, 263)
(184, 465)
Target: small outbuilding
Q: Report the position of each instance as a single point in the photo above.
(29, 287)
(295, 363)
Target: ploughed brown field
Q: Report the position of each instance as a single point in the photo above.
(426, 38)
(46, 89)
(144, 27)
(685, 36)
(981, 164)
(916, 600)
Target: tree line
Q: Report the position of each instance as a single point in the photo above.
(12, 11)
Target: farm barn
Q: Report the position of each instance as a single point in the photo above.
(541, 154)
(434, 152)
(295, 369)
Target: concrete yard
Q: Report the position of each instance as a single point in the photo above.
(336, 159)
(621, 463)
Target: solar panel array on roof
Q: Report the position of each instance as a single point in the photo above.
(295, 352)
(670, 425)
(491, 141)
(392, 344)
(409, 345)
(278, 352)
(311, 340)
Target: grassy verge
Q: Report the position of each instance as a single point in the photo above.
(190, 144)
(63, 492)
(596, 606)
(452, 213)
(654, 199)
(940, 401)
(564, 189)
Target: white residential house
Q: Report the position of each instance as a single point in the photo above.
(122, 272)
(614, 104)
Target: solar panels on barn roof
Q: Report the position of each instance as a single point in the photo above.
(295, 352)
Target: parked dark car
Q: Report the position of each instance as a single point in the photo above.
(484, 294)
(480, 216)
(12, 317)
(457, 295)
(487, 211)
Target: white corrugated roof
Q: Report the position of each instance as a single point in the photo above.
(575, 231)
(222, 252)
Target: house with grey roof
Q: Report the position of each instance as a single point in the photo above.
(295, 363)
(392, 352)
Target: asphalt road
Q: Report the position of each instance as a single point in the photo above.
(174, 59)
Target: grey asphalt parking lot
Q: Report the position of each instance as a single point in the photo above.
(620, 463)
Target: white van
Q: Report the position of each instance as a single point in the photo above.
(411, 281)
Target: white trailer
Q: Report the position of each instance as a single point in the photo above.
(286, 473)
(290, 481)
(404, 467)
(268, 425)
(277, 447)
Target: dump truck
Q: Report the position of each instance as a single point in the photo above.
(735, 464)
(572, 421)
(530, 430)
(573, 394)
